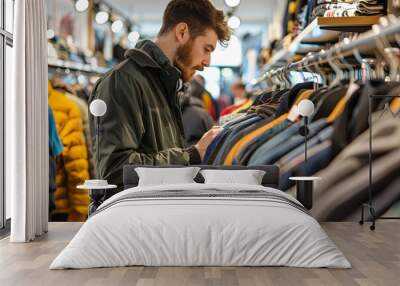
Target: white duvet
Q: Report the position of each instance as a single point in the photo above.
(200, 231)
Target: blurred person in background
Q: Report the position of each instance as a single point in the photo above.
(195, 118)
(238, 90)
(198, 86)
(240, 97)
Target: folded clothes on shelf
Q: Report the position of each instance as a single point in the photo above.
(346, 8)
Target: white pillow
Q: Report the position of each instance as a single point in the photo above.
(245, 177)
(166, 176)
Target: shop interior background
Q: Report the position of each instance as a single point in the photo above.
(84, 43)
(89, 41)
(142, 20)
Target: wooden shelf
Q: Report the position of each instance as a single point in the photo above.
(347, 24)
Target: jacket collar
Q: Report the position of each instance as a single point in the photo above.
(148, 54)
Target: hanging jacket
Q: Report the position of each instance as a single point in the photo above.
(234, 107)
(72, 166)
(196, 121)
(55, 149)
(345, 181)
(55, 144)
(84, 110)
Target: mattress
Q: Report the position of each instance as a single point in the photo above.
(201, 225)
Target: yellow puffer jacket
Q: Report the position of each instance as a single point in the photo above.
(72, 166)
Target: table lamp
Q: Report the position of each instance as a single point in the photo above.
(97, 188)
(305, 184)
(306, 109)
(98, 108)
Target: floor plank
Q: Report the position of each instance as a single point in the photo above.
(375, 257)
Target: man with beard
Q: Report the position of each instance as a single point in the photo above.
(143, 123)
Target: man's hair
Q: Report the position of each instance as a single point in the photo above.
(199, 15)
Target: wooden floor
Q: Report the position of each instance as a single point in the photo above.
(375, 257)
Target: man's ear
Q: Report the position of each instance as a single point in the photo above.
(182, 33)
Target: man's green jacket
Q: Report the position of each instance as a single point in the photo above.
(143, 122)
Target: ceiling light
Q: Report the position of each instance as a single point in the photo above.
(227, 73)
(134, 36)
(102, 17)
(50, 34)
(234, 22)
(117, 26)
(81, 5)
(232, 3)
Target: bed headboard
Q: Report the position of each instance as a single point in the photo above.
(271, 178)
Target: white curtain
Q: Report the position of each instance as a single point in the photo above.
(27, 124)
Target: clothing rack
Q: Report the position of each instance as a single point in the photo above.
(77, 67)
(388, 31)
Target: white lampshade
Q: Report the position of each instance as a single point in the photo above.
(98, 108)
(306, 108)
(117, 26)
(102, 17)
(232, 3)
(81, 5)
(234, 22)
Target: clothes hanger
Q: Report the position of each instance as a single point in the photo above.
(276, 84)
(327, 102)
(346, 63)
(299, 70)
(337, 59)
(314, 76)
(281, 81)
(393, 20)
(319, 71)
(278, 91)
(386, 52)
(335, 68)
(365, 67)
(286, 76)
(380, 56)
(269, 80)
(276, 81)
(393, 54)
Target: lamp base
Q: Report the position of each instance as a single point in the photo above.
(305, 193)
(99, 191)
(97, 197)
(305, 186)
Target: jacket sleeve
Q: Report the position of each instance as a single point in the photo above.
(75, 164)
(122, 130)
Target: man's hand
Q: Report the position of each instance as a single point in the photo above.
(206, 140)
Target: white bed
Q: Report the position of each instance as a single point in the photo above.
(224, 225)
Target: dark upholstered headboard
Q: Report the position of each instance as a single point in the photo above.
(271, 178)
